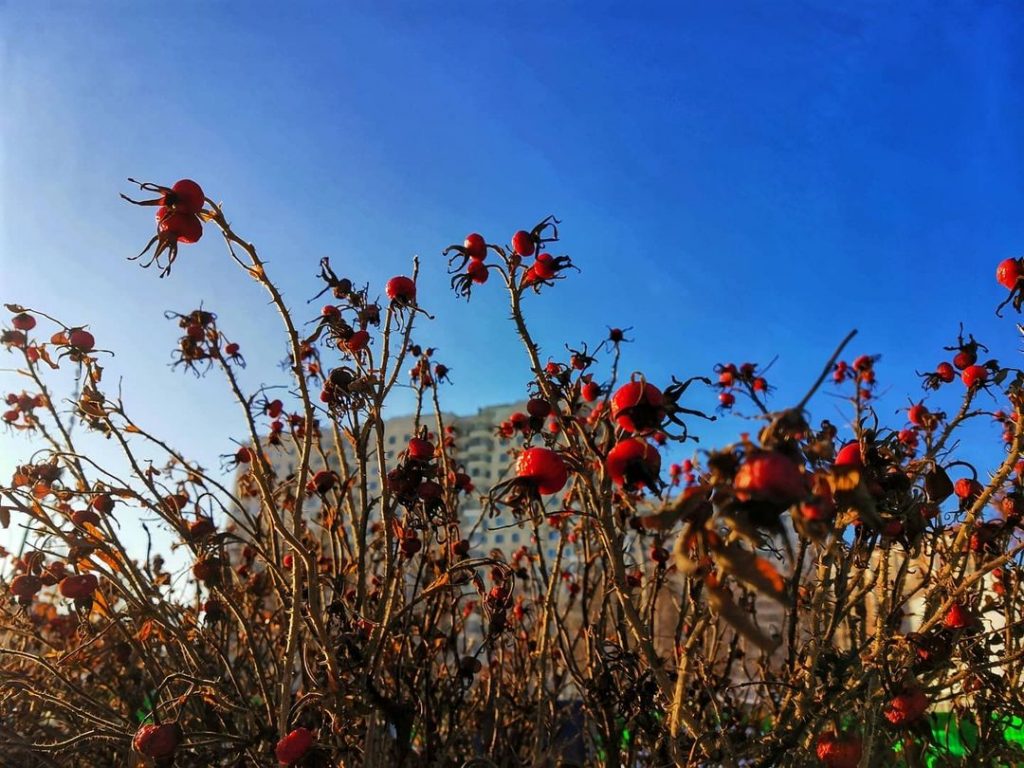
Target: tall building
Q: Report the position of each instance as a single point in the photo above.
(482, 453)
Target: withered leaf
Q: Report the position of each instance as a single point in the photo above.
(721, 602)
(692, 503)
(751, 569)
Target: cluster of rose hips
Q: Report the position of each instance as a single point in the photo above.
(744, 377)
(34, 574)
(345, 324)
(200, 341)
(178, 219)
(468, 267)
(861, 371)
(75, 343)
(22, 407)
(424, 372)
(526, 424)
(972, 374)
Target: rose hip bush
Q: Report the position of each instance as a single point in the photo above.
(321, 621)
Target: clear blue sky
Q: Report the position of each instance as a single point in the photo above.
(736, 180)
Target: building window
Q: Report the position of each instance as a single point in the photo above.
(499, 538)
(392, 440)
(515, 538)
(553, 535)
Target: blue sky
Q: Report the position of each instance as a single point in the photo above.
(736, 180)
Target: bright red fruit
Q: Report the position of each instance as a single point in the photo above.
(918, 415)
(727, 399)
(357, 341)
(966, 488)
(23, 321)
(590, 391)
(477, 271)
(906, 707)
(181, 227)
(188, 196)
(401, 290)
(294, 746)
(637, 407)
(849, 456)
(543, 468)
(945, 372)
(544, 267)
(771, 474)
(839, 751)
(974, 375)
(633, 463)
(957, 617)
(157, 741)
(82, 340)
(1008, 273)
(475, 246)
(523, 244)
(420, 449)
(78, 587)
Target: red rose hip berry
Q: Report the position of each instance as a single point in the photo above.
(542, 468)
(293, 747)
(523, 243)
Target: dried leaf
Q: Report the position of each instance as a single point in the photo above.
(721, 602)
(751, 569)
(132, 428)
(851, 493)
(937, 485)
(5, 516)
(692, 503)
(110, 560)
(100, 604)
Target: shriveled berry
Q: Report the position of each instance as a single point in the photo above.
(78, 587)
(81, 340)
(25, 586)
(23, 321)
